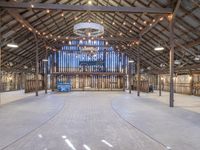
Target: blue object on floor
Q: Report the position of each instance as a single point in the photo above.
(64, 87)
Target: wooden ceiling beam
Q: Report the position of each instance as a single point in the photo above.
(92, 8)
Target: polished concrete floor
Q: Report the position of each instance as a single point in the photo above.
(97, 121)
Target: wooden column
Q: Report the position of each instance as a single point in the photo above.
(124, 71)
(191, 84)
(138, 71)
(37, 66)
(172, 44)
(53, 70)
(129, 77)
(171, 63)
(159, 78)
(46, 71)
(0, 61)
(84, 77)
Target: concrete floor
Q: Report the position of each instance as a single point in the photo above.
(97, 121)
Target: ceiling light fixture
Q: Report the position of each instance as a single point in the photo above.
(131, 61)
(86, 29)
(44, 60)
(197, 58)
(159, 48)
(12, 45)
(177, 62)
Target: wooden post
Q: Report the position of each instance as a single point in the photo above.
(171, 65)
(124, 71)
(52, 75)
(138, 71)
(46, 69)
(0, 62)
(129, 77)
(37, 66)
(83, 82)
(159, 76)
(191, 84)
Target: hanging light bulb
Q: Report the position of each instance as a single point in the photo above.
(90, 2)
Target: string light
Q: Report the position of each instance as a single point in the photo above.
(144, 22)
(113, 23)
(150, 24)
(170, 16)
(62, 14)
(133, 23)
(130, 31)
(32, 6)
(48, 11)
(124, 23)
(154, 20)
(140, 28)
(161, 18)
(111, 35)
(90, 2)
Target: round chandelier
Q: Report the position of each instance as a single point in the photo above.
(88, 29)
